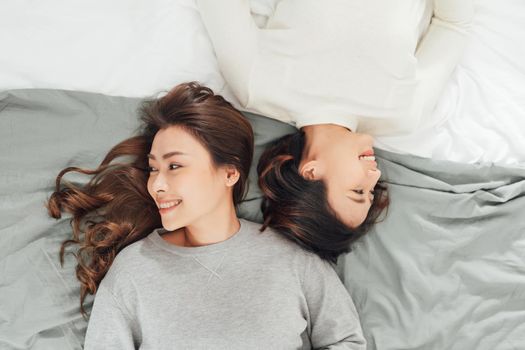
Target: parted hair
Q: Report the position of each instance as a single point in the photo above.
(114, 209)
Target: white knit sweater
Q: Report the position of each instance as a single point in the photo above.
(355, 63)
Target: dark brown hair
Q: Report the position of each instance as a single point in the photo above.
(299, 209)
(114, 209)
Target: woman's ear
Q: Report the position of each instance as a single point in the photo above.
(232, 175)
(311, 170)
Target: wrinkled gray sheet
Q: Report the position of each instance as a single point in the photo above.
(444, 270)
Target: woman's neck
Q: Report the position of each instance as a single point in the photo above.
(210, 229)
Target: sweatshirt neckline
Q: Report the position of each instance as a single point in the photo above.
(234, 240)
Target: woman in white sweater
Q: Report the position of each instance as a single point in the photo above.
(338, 70)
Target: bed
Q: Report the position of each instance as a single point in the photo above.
(445, 269)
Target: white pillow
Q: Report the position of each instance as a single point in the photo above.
(119, 47)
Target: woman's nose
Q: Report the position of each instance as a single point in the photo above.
(159, 183)
(373, 176)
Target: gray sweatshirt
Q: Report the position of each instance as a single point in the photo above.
(252, 291)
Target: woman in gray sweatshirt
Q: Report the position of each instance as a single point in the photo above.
(172, 265)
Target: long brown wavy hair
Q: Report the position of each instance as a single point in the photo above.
(114, 209)
(298, 208)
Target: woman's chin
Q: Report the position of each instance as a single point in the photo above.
(171, 225)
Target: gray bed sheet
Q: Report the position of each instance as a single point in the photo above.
(444, 270)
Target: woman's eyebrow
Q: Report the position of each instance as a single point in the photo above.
(167, 155)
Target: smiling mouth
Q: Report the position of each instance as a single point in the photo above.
(369, 158)
(368, 155)
(166, 207)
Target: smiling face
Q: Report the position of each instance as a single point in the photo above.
(346, 164)
(350, 177)
(184, 180)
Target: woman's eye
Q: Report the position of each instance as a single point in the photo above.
(359, 191)
(150, 169)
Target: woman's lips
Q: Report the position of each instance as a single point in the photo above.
(167, 210)
(369, 152)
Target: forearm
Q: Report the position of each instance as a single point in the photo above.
(233, 33)
(439, 52)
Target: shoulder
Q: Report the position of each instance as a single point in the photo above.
(130, 256)
(269, 237)
(129, 262)
(271, 242)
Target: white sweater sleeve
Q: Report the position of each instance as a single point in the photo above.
(437, 55)
(233, 33)
(439, 52)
